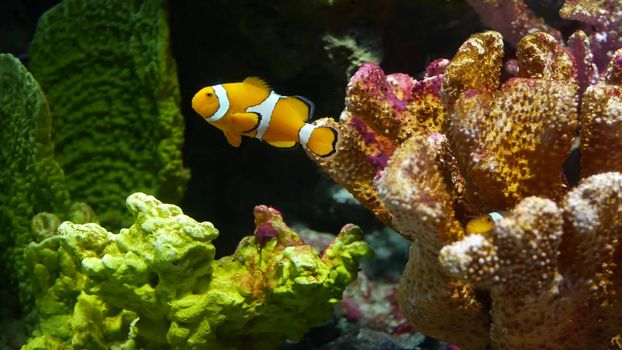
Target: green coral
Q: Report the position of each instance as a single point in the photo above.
(115, 99)
(157, 285)
(30, 178)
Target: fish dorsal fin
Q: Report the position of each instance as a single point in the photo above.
(257, 82)
(302, 106)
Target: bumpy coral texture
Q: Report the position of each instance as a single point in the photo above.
(538, 281)
(512, 18)
(115, 100)
(602, 126)
(598, 34)
(30, 178)
(603, 22)
(533, 281)
(157, 285)
(512, 143)
(382, 111)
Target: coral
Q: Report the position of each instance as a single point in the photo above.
(546, 276)
(601, 125)
(414, 189)
(538, 281)
(157, 284)
(399, 106)
(512, 18)
(114, 97)
(372, 304)
(513, 143)
(602, 21)
(31, 180)
(598, 36)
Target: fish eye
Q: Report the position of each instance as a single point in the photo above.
(209, 94)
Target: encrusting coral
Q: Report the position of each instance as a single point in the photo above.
(157, 284)
(461, 143)
(115, 100)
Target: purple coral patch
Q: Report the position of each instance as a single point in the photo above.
(351, 310)
(614, 71)
(471, 93)
(436, 67)
(264, 233)
(371, 80)
(265, 220)
(379, 161)
(427, 86)
(368, 135)
(379, 158)
(510, 67)
(402, 85)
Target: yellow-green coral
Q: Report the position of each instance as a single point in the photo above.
(156, 284)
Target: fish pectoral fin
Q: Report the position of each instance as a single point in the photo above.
(234, 139)
(245, 122)
(282, 144)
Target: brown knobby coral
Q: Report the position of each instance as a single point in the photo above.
(426, 156)
(551, 271)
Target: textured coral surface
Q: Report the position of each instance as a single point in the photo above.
(602, 126)
(156, 284)
(598, 29)
(30, 178)
(114, 96)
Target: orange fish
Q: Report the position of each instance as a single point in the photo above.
(251, 108)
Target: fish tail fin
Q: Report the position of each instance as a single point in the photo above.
(323, 141)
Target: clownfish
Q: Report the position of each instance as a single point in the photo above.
(251, 108)
(485, 223)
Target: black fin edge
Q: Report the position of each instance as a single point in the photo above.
(256, 125)
(335, 140)
(288, 148)
(309, 103)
